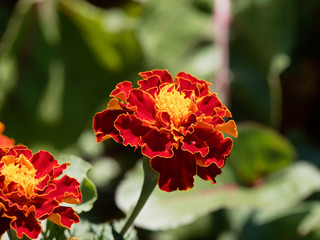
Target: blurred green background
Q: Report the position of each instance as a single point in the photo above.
(60, 59)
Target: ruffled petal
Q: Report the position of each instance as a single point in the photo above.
(189, 82)
(193, 144)
(176, 173)
(57, 171)
(157, 144)
(27, 225)
(122, 90)
(209, 173)
(64, 216)
(130, 129)
(44, 162)
(219, 147)
(103, 125)
(143, 104)
(67, 190)
(4, 224)
(44, 206)
(164, 75)
(152, 82)
(208, 105)
(16, 151)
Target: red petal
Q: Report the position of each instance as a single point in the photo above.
(64, 216)
(57, 171)
(130, 129)
(44, 162)
(219, 147)
(43, 184)
(156, 144)
(103, 125)
(176, 173)
(164, 118)
(213, 121)
(4, 225)
(149, 83)
(209, 173)
(143, 103)
(16, 151)
(194, 145)
(207, 105)
(164, 75)
(186, 127)
(200, 87)
(66, 187)
(44, 206)
(27, 225)
(122, 90)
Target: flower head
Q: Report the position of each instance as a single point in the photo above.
(4, 140)
(30, 191)
(177, 123)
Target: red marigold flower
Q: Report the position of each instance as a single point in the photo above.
(30, 191)
(177, 123)
(4, 140)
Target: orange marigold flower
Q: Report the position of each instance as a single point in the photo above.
(177, 123)
(30, 191)
(4, 140)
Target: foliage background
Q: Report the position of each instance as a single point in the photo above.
(60, 59)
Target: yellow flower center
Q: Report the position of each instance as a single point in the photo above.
(20, 171)
(175, 104)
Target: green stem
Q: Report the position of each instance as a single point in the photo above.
(11, 234)
(149, 182)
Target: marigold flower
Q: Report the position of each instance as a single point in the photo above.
(30, 191)
(177, 123)
(4, 140)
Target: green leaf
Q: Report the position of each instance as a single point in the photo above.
(165, 210)
(311, 222)
(79, 169)
(103, 231)
(52, 231)
(103, 171)
(257, 152)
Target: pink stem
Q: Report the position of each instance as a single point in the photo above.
(221, 21)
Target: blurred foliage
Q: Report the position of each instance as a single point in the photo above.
(103, 231)
(257, 152)
(60, 59)
(63, 59)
